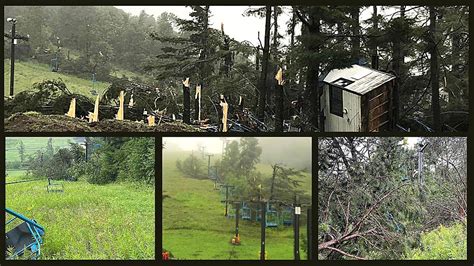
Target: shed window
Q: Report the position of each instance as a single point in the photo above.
(335, 100)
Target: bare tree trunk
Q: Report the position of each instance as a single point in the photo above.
(397, 62)
(278, 107)
(312, 81)
(263, 75)
(434, 70)
(355, 53)
(375, 56)
(186, 105)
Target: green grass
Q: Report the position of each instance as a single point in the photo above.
(27, 73)
(32, 144)
(194, 226)
(115, 221)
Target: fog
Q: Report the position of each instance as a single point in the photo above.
(290, 151)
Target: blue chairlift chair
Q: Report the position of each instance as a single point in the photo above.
(54, 186)
(246, 212)
(27, 236)
(287, 216)
(258, 214)
(54, 65)
(271, 217)
(231, 212)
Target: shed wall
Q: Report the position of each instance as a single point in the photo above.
(351, 121)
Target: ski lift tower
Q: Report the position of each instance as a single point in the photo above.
(421, 148)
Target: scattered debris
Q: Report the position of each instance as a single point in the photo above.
(36, 122)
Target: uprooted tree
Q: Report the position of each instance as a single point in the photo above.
(375, 203)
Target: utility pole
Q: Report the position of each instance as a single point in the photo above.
(309, 234)
(237, 212)
(12, 58)
(296, 224)
(209, 164)
(420, 163)
(227, 198)
(14, 37)
(262, 229)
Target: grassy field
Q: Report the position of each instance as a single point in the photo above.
(27, 73)
(115, 221)
(194, 226)
(32, 144)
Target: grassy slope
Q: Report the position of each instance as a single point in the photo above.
(115, 221)
(194, 226)
(27, 73)
(32, 144)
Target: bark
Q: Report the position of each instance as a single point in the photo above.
(375, 57)
(263, 75)
(356, 32)
(186, 105)
(434, 70)
(279, 108)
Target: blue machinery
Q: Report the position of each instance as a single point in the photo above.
(274, 217)
(27, 236)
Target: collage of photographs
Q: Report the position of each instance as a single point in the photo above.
(312, 133)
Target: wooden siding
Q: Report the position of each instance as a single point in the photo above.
(377, 106)
(348, 122)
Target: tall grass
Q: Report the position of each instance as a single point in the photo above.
(115, 221)
(194, 226)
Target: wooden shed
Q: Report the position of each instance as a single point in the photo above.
(357, 99)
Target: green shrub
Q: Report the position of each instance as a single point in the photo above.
(443, 243)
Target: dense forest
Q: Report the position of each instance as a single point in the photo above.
(390, 198)
(424, 47)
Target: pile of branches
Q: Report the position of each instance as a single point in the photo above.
(47, 97)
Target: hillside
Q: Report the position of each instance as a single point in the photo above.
(194, 226)
(27, 73)
(86, 221)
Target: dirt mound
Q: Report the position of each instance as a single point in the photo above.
(36, 122)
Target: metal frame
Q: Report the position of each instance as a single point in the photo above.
(36, 230)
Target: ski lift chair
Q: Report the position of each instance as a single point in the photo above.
(27, 236)
(54, 187)
(258, 214)
(287, 216)
(246, 212)
(271, 217)
(54, 65)
(231, 212)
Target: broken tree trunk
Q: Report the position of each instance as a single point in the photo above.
(279, 101)
(263, 75)
(434, 71)
(223, 114)
(197, 103)
(186, 102)
(375, 56)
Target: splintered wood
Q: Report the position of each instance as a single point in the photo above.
(94, 117)
(151, 120)
(120, 112)
(279, 77)
(225, 109)
(72, 108)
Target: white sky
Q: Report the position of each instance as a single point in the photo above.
(236, 25)
(213, 144)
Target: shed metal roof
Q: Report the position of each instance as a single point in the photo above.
(363, 79)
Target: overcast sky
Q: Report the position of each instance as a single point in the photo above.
(236, 25)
